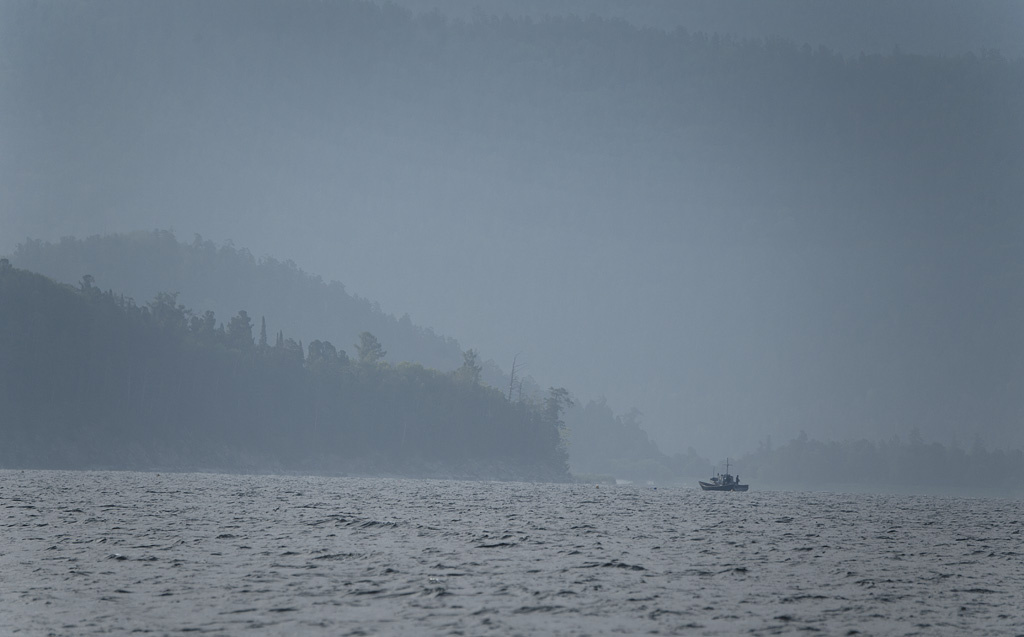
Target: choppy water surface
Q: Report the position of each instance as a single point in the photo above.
(109, 552)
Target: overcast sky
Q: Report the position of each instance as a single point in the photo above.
(934, 27)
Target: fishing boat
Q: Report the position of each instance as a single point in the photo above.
(724, 482)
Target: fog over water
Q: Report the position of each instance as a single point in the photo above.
(741, 238)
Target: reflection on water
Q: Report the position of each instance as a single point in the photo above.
(85, 553)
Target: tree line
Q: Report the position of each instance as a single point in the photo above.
(224, 278)
(896, 463)
(89, 378)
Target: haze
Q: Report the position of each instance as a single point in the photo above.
(741, 239)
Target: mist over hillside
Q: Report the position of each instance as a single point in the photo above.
(91, 379)
(739, 237)
(179, 277)
(225, 279)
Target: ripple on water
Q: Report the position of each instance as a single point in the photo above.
(274, 554)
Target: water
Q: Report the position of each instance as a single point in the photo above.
(87, 553)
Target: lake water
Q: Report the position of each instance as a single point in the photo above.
(88, 553)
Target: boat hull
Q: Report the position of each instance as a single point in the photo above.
(707, 486)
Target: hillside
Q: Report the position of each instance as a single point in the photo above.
(225, 279)
(89, 379)
(145, 265)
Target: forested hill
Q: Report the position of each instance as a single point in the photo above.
(91, 379)
(225, 279)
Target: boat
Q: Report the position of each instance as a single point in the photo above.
(724, 482)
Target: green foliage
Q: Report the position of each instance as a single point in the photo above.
(471, 368)
(557, 401)
(86, 376)
(369, 349)
(239, 331)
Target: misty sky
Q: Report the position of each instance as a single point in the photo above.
(932, 27)
(732, 273)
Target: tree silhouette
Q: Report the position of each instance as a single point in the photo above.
(369, 349)
(471, 368)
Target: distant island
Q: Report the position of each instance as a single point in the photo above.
(90, 379)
